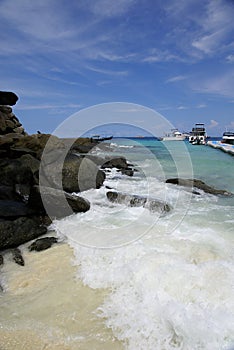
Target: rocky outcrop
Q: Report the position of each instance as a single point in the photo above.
(199, 185)
(8, 98)
(56, 203)
(9, 123)
(154, 205)
(78, 173)
(42, 244)
(119, 163)
(19, 231)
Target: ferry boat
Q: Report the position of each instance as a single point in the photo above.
(198, 134)
(98, 138)
(228, 138)
(175, 135)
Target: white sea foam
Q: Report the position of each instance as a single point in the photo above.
(172, 287)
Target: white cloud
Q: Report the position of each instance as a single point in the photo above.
(107, 72)
(222, 84)
(230, 58)
(208, 43)
(48, 106)
(176, 78)
(213, 123)
(202, 105)
(182, 107)
(215, 26)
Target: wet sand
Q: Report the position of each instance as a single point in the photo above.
(45, 306)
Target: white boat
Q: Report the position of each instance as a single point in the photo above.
(228, 138)
(175, 135)
(198, 134)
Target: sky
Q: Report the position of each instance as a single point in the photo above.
(174, 57)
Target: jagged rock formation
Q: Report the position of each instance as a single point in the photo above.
(9, 123)
(23, 200)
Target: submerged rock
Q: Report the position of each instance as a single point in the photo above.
(152, 204)
(42, 244)
(199, 185)
(17, 256)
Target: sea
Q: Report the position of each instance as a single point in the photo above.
(129, 277)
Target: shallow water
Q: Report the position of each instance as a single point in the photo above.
(131, 278)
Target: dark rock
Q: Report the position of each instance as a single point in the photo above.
(128, 172)
(56, 203)
(35, 144)
(8, 98)
(1, 260)
(78, 174)
(83, 144)
(116, 162)
(7, 193)
(199, 185)
(81, 174)
(119, 163)
(16, 232)
(42, 243)
(13, 172)
(13, 209)
(152, 204)
(9, 123)
(17, 256)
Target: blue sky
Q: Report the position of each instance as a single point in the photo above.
(176, 57)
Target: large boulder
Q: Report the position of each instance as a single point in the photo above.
(199, 185)
(8, 98)
(19, 231)
(131, 200)
(116, 162)
(56, 203)
(72, 174)
(119, 163)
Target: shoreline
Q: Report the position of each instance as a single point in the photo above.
(45, 297)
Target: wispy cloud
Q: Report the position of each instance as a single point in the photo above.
(213, 124)
(176, 78)
(202, 105)
(106, 8)
(220, 84)
(182, 107)
(230, 58)
(107, 71)
(215, 26)
(48, 106)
